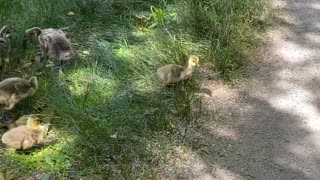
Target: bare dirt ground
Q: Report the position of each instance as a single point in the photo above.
(268, 128)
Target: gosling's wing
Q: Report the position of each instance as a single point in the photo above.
(6, 89)
(170, 69)
(8, 85)
(4, 94)
(4, 45)
(163, 70)
(15, 137)
(22, 87)
(177, 70)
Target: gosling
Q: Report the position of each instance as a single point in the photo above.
(13, 90)
(25, 136)
(173, 73)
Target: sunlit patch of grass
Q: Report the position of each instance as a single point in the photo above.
(124, 52)
(83, 81)
(143, 33)
(84, 54)
(50, 159)
(144, 85)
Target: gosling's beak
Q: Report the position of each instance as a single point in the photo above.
(198, 65)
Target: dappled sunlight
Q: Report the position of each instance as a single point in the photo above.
(203, 171)
(314, 6)
(220, 91)
(292, 88)
(292, 52)
(286, 76)
(312, 37)
(224, 132)
(296, 99)
(124, 52)
(82, 80)
(143, 33)
(180, 161)
(284, 19)
(278, 4)
(143, 85)
(280, 137)
(186, 163)
(308, 113)
(84, 54)
(317, 25)
(299, 150)
(297, 160)
(224, 174)
(49, 158)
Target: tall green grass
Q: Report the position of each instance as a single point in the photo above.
(111, 116)
(227, 28)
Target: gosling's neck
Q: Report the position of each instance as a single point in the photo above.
(187, 72)
(31, 123)
(190, 67)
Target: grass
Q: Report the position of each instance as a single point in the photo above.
(111, 117)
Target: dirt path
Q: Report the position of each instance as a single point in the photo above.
(270, 128)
